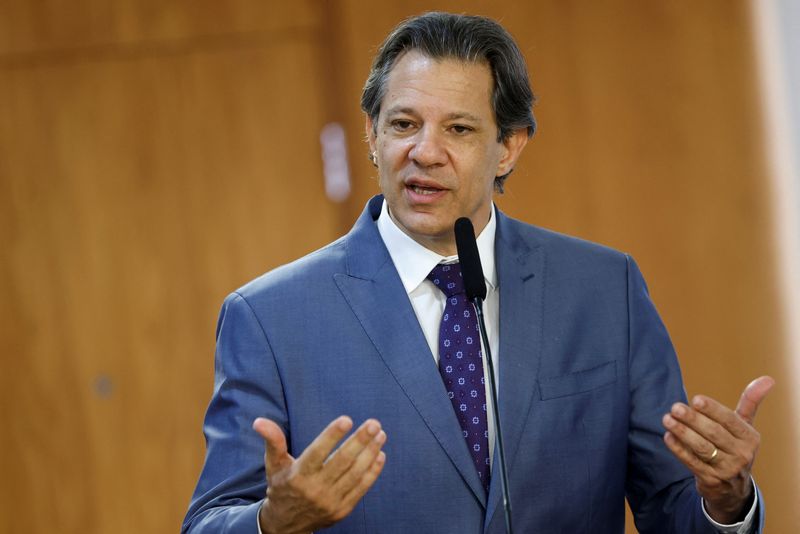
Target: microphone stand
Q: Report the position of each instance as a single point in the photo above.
(477, 302)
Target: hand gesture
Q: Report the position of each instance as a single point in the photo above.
(719, 446)
(321, 486)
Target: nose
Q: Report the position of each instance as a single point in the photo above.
(428, 149)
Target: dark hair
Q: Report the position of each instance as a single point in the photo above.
(466, 38)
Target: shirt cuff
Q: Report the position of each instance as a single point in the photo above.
(258, 517)
(743, 527)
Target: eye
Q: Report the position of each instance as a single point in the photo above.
(402, 125)
(460, 129)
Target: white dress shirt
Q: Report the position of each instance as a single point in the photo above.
(414, 262)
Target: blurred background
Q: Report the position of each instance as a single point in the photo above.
(157, 154)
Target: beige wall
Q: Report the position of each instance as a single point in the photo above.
(155, 155)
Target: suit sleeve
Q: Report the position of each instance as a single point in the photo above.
(660, 490)
(247, 385)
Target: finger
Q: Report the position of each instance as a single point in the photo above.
(753, 394)
(687, 457)
(315, 454)
(722, 416)
(694, 441)
(350, 477)
(368, 478)
(347, 454)
(277, 453)
(698, 430)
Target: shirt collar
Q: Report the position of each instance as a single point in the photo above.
(413, 261)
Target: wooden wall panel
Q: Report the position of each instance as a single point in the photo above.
(137, 188)
(649, 141)
(51, 28)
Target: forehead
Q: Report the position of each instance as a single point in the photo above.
(421, 83)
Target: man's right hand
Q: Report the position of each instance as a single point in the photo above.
(321, 486)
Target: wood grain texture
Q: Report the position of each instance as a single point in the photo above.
(137, 190)
(49, 28)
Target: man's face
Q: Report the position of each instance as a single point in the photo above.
(436, 147)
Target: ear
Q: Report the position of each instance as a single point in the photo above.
(513, 146)
(370, 131)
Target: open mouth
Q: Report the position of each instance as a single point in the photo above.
(424, 190)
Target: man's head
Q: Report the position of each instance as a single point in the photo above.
(464, 38)
(448, 112)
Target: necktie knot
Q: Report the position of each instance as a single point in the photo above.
(447, 277)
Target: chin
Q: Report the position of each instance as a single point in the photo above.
(427, 225)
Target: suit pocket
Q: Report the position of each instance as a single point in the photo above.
(578, 382)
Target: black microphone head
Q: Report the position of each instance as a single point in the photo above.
(470, 259)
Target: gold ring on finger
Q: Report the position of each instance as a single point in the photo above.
(713, 456)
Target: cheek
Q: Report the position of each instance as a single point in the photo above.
(384, 181)
(393, 154)
(480, 168)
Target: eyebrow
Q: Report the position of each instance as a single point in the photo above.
(456, 115)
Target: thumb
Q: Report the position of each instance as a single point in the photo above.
(753, 394)
(277, 453)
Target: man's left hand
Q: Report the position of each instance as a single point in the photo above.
(719, 446)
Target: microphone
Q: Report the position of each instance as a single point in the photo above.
(470, 260)
(475, 287)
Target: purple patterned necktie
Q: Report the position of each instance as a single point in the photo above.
(461, 364)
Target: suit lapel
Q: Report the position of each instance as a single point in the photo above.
(377, 297)
(520, 272)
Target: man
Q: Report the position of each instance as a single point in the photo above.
(587, 374)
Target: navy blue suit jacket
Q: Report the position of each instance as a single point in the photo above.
(586, 372)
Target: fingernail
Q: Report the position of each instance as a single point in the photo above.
(699, 402)
(679, 410)
(372, 428)
(344, 423)
(668, 421)
(380, 438)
